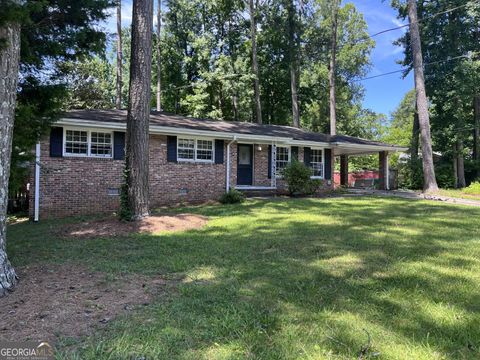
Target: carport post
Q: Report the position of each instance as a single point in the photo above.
(383, 171)
(344, 170)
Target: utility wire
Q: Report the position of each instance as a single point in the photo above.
(418, 21)
(469, 55)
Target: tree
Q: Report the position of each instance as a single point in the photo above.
(159, 56)
(9, 66)
(137, 136)
(293, 38)
(51, 31)
(118, 102)
(332, 69)
(430, 183)
(256, 81)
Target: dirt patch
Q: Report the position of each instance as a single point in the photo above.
(112, 227)
(57, 301)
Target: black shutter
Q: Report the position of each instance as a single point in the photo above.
(328, 164)
(307, 156)
(56, 142)
(219, 147)
(269, 161)
(171, 148)
(118, 145)
(295, 153)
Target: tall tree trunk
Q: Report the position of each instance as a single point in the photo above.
(332, 69)
(293, 64)
(9, 66)
(455, 167)
(159, 57)
(429, 183)
(118, 100)
(414, 147)
(137, 150)
(460, 164)
(256, 83)
(476, 133)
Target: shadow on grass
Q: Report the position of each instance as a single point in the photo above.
(294, 279)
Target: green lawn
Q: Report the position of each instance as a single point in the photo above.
(459, 193)
(292, 279)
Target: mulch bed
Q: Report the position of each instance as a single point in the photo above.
(112, 227)
(57, 301)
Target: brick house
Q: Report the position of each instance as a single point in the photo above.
(79, 166)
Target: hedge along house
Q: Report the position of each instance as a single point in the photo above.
(79, 167)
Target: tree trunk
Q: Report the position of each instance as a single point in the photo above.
(455, 168)
(9, 66)
(293, 65)
(118, 100)
(460, 165)
(332, 70)
(137, 150)
(256, 83)
(430, 183)
(159, 57)
(414, 147)
(476, 134)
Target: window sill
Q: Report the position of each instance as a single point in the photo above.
(195, 162)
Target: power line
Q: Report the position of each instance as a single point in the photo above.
(469, 55)
(418, 21)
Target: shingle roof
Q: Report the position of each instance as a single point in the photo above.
(245, 128)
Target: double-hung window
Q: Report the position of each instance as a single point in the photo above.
(283, 159)
(316, 162)
(199, 150)
(88, 143)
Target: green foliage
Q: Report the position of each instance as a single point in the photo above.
(474, 188)
(125, 212)
(232, 197)
(299, 179)
(52, 32)
(444, 175)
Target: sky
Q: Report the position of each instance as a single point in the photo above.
(382, 94)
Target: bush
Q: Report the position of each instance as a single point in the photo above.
(474, 188)
(232, 197)
(298, 179)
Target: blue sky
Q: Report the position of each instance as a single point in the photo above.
(382, 94)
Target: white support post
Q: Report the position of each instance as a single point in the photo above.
(37, 183)
(387, 172)
(227, 180)
(274, 165)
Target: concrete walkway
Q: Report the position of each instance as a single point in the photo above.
(405, 194)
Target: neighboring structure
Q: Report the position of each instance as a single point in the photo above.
(79, 168)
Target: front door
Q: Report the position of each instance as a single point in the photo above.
(245, 164)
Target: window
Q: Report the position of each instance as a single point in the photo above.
(204, 150)
(186, 149)
(283, 159)
(101, 144)
(316, 162)
(194, 150)
(88, 143)
(76, 142)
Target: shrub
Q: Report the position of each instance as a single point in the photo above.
(298, 179)
(474, 188)
(232, 197)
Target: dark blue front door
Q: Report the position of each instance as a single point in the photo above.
(245, 164)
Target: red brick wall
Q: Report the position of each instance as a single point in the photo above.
(79, 186)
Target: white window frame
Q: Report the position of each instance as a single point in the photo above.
(195, 142)
(277, 174)
(323, 163)
(89, 143)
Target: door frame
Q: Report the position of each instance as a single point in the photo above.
(252, 158)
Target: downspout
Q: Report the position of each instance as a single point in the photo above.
(227, 180)
(37, 183)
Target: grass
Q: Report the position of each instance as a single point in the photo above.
(292, 279)
(459, 193)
